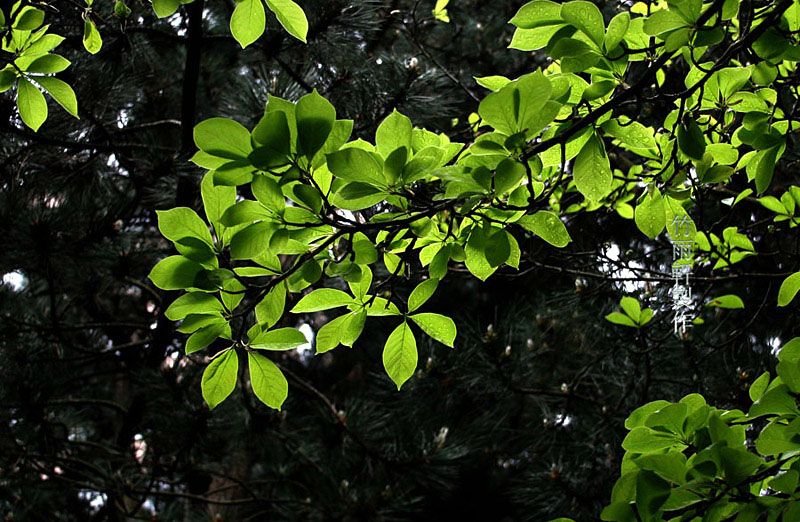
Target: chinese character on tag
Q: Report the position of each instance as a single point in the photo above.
(682, 250)
(682, 253)
(681, 271)
(681, 322)
(681, 223)
(681, 296)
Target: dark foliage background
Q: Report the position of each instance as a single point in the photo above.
(101, 416)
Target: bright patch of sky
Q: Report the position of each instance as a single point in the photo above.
(304, 351)
(95, 499)
(15, 280)
(632, 283)
(774, 344)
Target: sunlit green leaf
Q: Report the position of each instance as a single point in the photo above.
(268, 382)
(291, 17)
(248, 21)
(31, 104)
(438, 326)
(219, 378)
(400, 354)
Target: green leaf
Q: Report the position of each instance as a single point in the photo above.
(617, 28)
(764, 163)
(732, 79)
(31, 104)
(364, 251)
(621, 319)
(164, 8)
(322, 299)
(270, 309)
(400, 354)
(252, 241)
(360, 287)
(586, 17)
(394, 163)
(121, 9)
(631, 308)
(216, 200)
(203, 337)
(234, 173)
(356, 165)
(232, 293)
(598, 90)
(48, 64)
(777, 438)
(7, 79)
(357, 196)
(774, 204)
(670, 466)
(193, 303)
(775, 401)
(680, 225)
(640, 414)
(344, 329)
(61, 93)
(508, 175)
(92, 41)
(651, 493)
(243, 212)
(785, 482)
(650, 214)
(198, 251)
(274, 134)
(421, 294)
(330, 335)
(268, 193)
(353, 326)
(223, 138)
(315, 116)
(393, 132)
(518, 105)
(381, 307)
(662, 22)
(632, 134)
(592, 171)
(646, 440)
(278, 340)
(291, 17)
(219, 378)
(440, 11)
(726, 301)
(547, 226)
(493, 83)
(476, 260)
(758, 387)
(537, 14)
(691, 140)
(532, 39)
(193, 322)
(268, 382)
(44, 44)
(501, 247)
(175, 273)
(248, 22)
(423, 161)
(181, 222)
(789, 289)
(28, 19)
(575, 55)
(439, 327)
